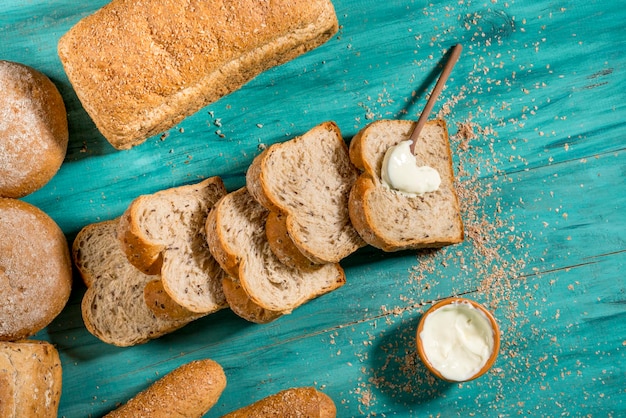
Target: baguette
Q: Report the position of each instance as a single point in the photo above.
(113, 307)
(189, 391)
(163, 233)
(139, 68)
(30, 379)
(307, 181)
(291, 403)
(238, 242)
(391, 220)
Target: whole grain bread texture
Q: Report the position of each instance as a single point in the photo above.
(188, 391)
(392, 220)
(114, 308)
(139, 68)
(163, 233)
(33, 130)
(35, 270)
(294, 403)
(30, 379)
(237, 239)
(306, 181)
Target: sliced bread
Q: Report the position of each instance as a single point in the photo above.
(235, 230)
(113, 306)
(164, 233)
(308, 180)
(392, 220)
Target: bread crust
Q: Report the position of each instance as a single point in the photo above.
(30, 379)
(141, 251)
(35, 270)
(295, 402)
(33, 130)
(162, 305)
(368, 192)
(188, 391)
(226, 256)
(241, 304)
(281, 243)
(139, 68)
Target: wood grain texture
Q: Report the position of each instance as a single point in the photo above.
(535, 108)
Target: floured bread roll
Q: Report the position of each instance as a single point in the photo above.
(33, 130)
(35, 270)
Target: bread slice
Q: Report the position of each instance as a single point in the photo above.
(391, 220)
(237, 240)
(113, 306)
(308, 180)
(30, 379)
(164, 233)
(139, 68)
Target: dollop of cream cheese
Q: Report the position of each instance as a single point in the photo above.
(457, 340)
(401, 172)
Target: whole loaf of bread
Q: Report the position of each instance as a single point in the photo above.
(139, 68)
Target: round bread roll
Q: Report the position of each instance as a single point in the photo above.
(33, 130)
(35, 270)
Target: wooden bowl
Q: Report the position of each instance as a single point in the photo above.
(492, 322)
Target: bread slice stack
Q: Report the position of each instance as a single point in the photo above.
(150, 272)
(269, 247)
(305, 184)
(113, 307)
(260, 287)
(281, 237)
(392, 220)
(164, 233)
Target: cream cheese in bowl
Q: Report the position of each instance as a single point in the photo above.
(458, 339)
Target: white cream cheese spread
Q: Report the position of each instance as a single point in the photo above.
(457, 340)
(401, 172)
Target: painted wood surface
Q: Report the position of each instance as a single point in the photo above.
(536, 110)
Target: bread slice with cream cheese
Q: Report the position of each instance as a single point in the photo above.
(389, 219)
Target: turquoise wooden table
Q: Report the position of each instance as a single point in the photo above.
(536, 109)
